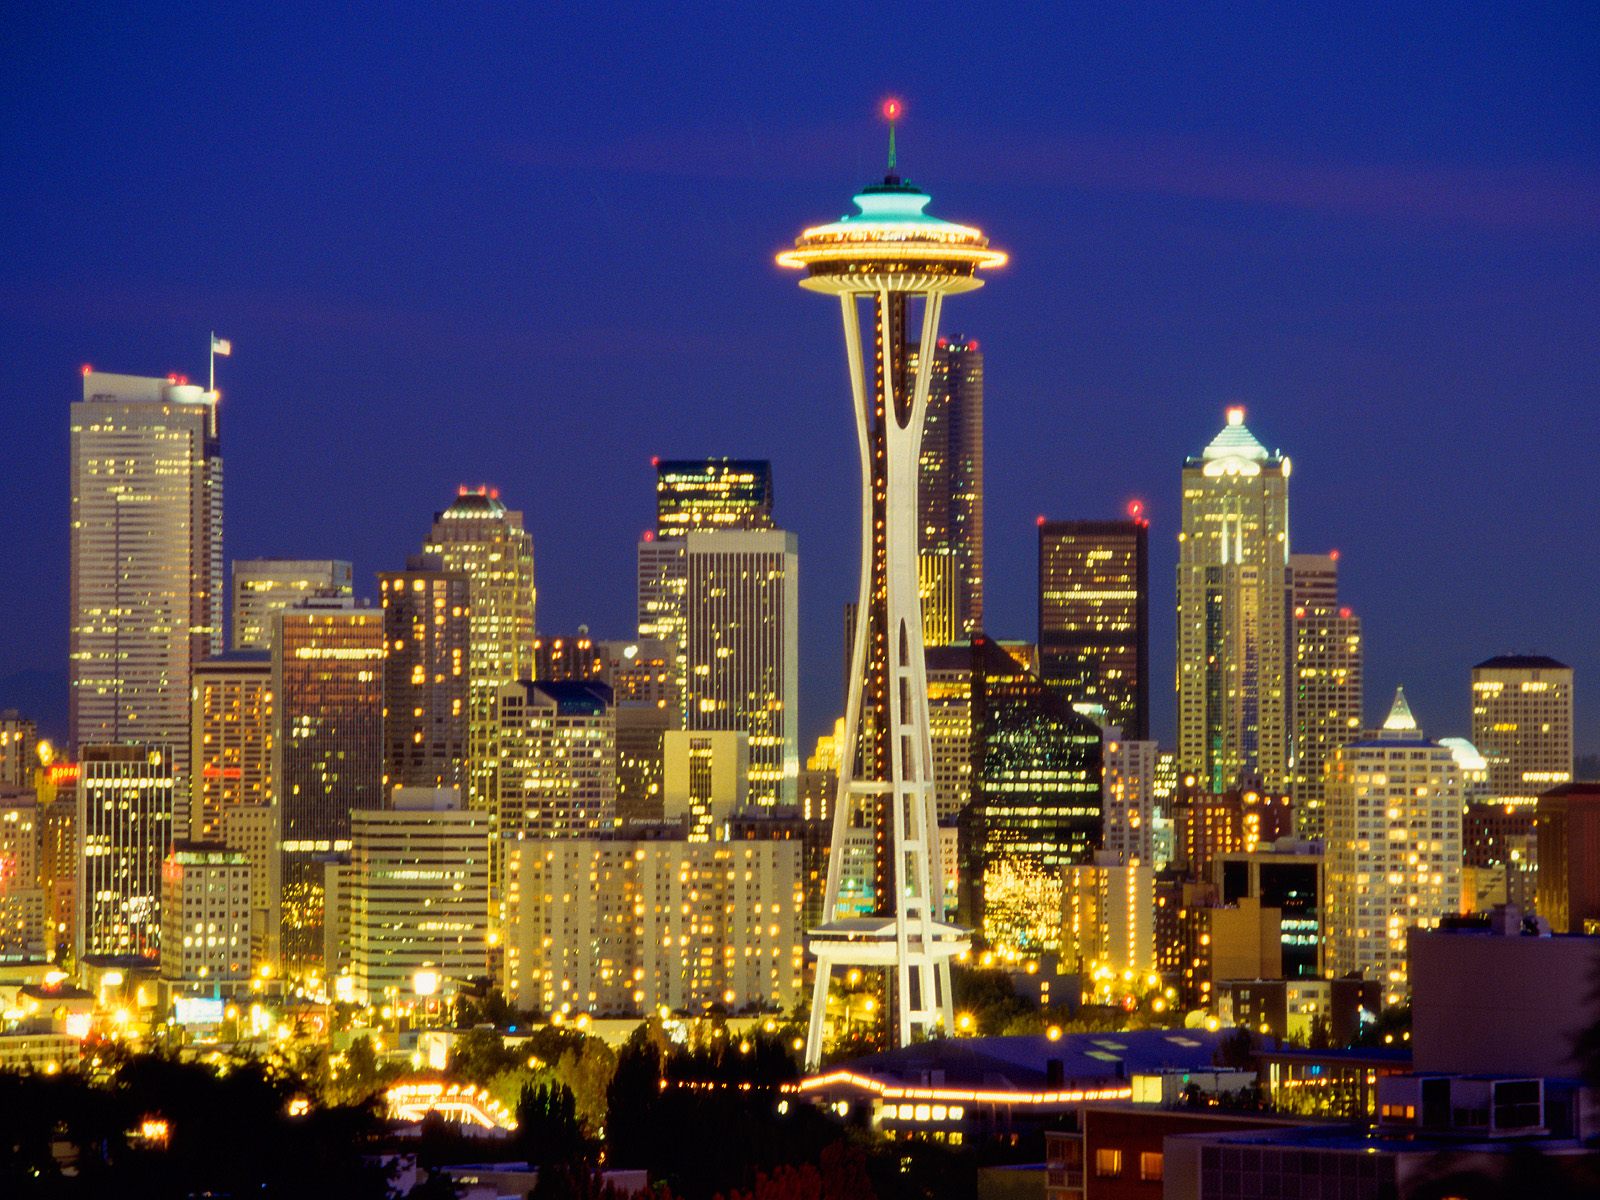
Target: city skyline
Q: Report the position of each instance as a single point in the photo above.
(1341, 277)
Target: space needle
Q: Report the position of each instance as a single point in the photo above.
(903, 262)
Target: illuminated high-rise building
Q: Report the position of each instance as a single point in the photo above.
(1036, 801)
(1128, 809)
(479, 537)
(558, 759)
(710, 494)
(1233, 666)
(427, 627)
(1325, 650)
(950, 727)
(567, 656)
(706, 495)
(125, 802)
(418, 881)
(705, 780)
(641, 762)
(1108, 916)
(233, 728)
(264, 586)
(742, 649)
(56, 785)
(1094, 616)
(1393, 848)
(950, 482)
(327, 681)
(19, 740)
(903, 263)
(1522, 724)
(24, 915)
(146, 558)
(641, 671)
(205, 916)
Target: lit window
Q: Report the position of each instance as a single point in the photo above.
(1150, 1164)
(1107, 1162)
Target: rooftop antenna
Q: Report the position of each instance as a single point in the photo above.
(892, 109)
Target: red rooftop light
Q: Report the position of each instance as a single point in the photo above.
(87, 369)
(892, 109)
(1136, 509)
(1039, 520)
(649, 535)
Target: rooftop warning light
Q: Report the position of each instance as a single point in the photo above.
(1236, 415)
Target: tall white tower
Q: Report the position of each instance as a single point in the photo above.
(903, 262)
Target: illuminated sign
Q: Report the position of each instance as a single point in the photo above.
(197, 1010)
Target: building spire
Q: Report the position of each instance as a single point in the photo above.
(891, 113)
(1400, 719)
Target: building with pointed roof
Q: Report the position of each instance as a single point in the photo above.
(1233, 658)
(1394, 830)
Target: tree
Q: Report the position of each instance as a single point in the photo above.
(478, 1055)
(586, 1071)
(548, 1133)
(1236, 1051)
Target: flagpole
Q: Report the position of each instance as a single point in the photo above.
(213, 381)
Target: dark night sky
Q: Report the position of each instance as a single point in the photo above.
(532, 245)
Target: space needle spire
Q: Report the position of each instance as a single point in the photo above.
(897, 262)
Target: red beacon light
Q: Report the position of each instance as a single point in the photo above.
(655, 460)
(1039, 520)
(1334, 555)
(1136, 510)
(87, 369)
(494, 493)
(649, 535)
(892, 109)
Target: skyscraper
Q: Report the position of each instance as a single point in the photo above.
(1128, 805)
(950, 478)
(19, 740)
(427, 627)
(263, 586)
(125, 803)
(1393, 848)
(479, 537)
(146, 558)
(327, 681)
(698, 495)
(205, 915)
(1522, 723)
(558, 759)
(693, 495)
(705, 780)
(233, 730)
(1094, 616)
(899, 259)
(1232, 655)
(24, 915)
(742, 600)
(1036, 798)
(1326, 652)
(419, 895)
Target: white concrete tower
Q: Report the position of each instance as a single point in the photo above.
(900, 260)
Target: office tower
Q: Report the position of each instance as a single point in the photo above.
(896, 257)
(1522, 723)
(1569, 858)
(949, 673)
(1207, 825)
(641, 671)
(742, 653)
(205, 916)
(233, 725)
(253, 830)
(1232, 660)
(950, 478)
(1394, 848)
(558, 759)
(567, 656)
(125, 798)
(1499, 848)
(427, 626)
(1326, 652)
(419, 896)
(704, 495)
(1127, 797)
(617, 927)
(641, 762)
(697, 495)
(479, 537)
(1094, 616)
(939, 593)
(1108, 916)
(56, 785)
(19, 739)
(327, 681)
(705, 780)
(1035, 808)
(265, 586)
(146, 558)
(1290, 877)
(23, 915)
